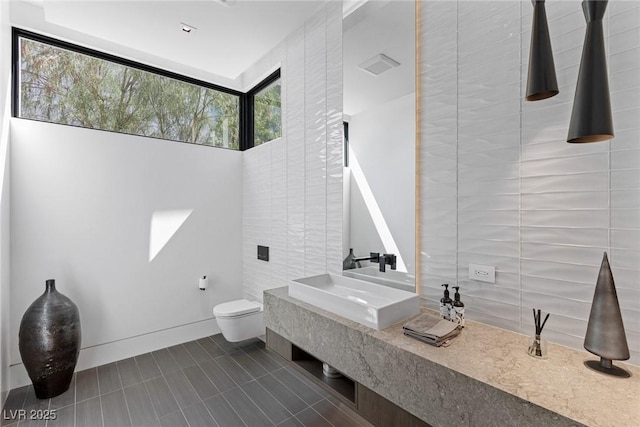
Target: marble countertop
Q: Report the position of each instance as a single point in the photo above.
(497, 357)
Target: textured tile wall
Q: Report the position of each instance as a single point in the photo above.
(335, 137)
(292, 200)
(438, 145)
(500, 186)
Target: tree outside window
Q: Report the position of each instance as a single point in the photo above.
(267, 114)
(62, 86)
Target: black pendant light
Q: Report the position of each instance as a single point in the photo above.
(541, 81)
(591, 119)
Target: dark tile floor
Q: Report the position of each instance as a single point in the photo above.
(207, 382)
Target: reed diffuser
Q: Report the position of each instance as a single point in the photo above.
(538, 347)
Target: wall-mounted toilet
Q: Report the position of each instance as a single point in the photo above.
(240, 320)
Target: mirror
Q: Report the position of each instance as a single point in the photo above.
(380, 135)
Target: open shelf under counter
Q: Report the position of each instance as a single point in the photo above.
(367, 403)
(342, 385)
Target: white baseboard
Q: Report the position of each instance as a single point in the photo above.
(117, 350)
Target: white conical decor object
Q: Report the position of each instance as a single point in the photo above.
(605, 335)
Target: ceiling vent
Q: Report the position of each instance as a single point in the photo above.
(378, 64)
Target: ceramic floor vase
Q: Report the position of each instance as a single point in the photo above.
(49, 342)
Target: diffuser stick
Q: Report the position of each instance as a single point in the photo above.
(544, 323)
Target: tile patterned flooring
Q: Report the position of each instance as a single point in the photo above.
(207, 382)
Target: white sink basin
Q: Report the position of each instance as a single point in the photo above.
(395, 279)
(364, 302)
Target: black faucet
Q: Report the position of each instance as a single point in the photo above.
(353, 262)
(387, 259)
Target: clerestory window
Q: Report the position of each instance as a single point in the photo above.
(265, 102)
(66, 84)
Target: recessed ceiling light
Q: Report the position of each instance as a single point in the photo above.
(187, 28)
(378, 64)
(226, 2)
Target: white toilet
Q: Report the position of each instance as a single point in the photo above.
(240, 320)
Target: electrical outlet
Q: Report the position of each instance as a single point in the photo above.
(483, 273)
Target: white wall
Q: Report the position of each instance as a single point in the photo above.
(5, 106)
(292, 187)
(82, 203)
(383, 141)
(499, 184)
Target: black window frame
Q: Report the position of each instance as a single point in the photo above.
(245, 99)
(250, 108)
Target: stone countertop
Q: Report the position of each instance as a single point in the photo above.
(498, 358)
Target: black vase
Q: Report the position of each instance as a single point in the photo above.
(49, 342)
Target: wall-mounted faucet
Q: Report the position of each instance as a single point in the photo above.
(351, 261)
(387, 259)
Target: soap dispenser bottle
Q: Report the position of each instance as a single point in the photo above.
(446, 303)
(458, 306)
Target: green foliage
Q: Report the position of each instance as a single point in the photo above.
(66, 87)
(267, 114)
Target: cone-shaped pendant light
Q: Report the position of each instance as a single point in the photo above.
(541, 80)
(605, 332)
(591, 119)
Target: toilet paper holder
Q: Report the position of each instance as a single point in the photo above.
(203, 283)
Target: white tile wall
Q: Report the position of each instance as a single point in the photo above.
(438, 31)
(335, 138)
(500, 186)
(292, 199)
